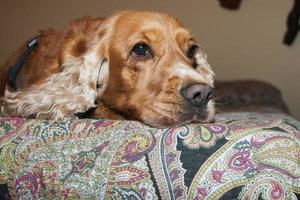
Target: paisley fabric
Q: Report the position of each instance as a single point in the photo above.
(240, 156)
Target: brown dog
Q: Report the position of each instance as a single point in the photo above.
(135, 65)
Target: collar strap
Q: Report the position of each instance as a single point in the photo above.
(15, 69)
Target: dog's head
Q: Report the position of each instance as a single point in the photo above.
(155, 71)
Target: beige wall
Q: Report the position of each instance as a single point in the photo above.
(241, 44)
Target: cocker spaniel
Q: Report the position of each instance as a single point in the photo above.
(133, 65)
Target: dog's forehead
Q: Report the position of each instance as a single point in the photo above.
(140, 17)
(151, 25)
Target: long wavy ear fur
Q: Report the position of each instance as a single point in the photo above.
(73, 90)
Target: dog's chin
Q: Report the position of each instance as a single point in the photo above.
(204, 115)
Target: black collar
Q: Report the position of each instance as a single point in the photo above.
(15, 69)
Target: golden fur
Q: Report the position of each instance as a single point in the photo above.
(89, 65)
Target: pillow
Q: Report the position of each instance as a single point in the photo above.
(248, 95)
(241, 155)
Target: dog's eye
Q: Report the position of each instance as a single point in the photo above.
(192, 51)
(141, 51)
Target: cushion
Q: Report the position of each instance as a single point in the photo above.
(248, 95)
(247, 155)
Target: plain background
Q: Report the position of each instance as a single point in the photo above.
(243, 44)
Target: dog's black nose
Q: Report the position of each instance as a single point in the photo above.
(197, 94)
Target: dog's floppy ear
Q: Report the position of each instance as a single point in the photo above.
(94, 71)
(74, 89)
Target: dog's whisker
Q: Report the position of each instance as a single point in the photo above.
(217, 97)
(221, 103)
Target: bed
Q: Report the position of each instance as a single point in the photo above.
(251, 151)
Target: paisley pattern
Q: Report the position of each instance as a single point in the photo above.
(240, 156)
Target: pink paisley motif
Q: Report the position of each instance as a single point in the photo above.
(276, 191)
(240, 161)
(30, 181)
(216, 129)
(170, 158)
(132, 150)
(168, 138)
(217, 175)
(143, 192)
(174, 174)
(129, 175)
(271, 186)
(43, 175)
(15, 120)
(201, 193)
(103, 123)
(178, 191)
(131, 147)
(10, 127)
(257, 143)
(129, 127)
